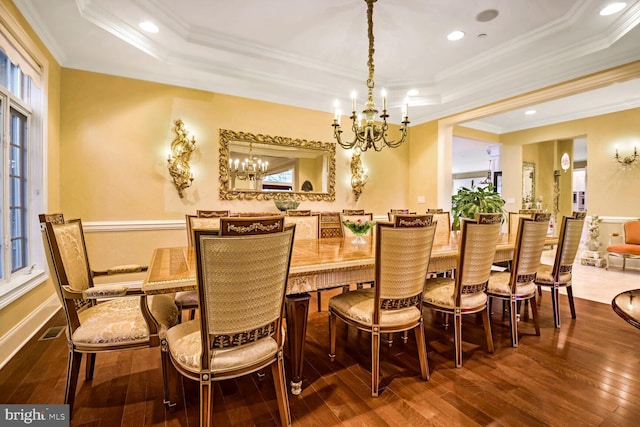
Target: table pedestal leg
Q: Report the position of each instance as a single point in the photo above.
(297, 310)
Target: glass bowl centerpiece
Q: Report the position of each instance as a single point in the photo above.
(359, 228)
(283, 205)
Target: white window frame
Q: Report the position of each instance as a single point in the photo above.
(22, 51)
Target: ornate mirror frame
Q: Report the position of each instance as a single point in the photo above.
(529, 182)
(226, 193)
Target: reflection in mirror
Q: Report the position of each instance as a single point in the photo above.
(528, 184)
(289, 168)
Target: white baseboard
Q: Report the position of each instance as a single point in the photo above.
(17, 337)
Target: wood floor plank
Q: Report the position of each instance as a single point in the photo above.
(585, 373)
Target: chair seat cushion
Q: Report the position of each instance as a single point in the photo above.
(545, 276)
(624, 248)
(187, 299)
(120, 321)
(439, 293)
(358, 306)
(185, 345)
(499, 284)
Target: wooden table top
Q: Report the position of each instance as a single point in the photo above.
(627, 306)
(173, 269)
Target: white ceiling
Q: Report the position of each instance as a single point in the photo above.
(309, 53)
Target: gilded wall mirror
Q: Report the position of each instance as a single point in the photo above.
(528, 183)
(263, 167)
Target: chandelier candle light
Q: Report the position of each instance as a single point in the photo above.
(368, 134)
(250, 169)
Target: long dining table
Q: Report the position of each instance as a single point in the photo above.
(316, 264)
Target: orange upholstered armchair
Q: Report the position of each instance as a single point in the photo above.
(631, 246)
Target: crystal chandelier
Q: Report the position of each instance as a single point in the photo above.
(368, 134)
(250, 169)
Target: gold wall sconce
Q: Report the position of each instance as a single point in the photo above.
(627, 162)
(358, 174)
(178, 159)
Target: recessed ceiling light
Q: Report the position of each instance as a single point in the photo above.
(455, 35)
(413, 92)
(612, 8)
(530, 112)
(149, 27)
(487, 15)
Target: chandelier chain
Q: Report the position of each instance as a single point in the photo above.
(367, 133)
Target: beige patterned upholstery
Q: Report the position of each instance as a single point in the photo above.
(465, 293)
(518, 285)
(122, 322)
(394, 303)
(559, 274)
(242, 280)
(307, 227)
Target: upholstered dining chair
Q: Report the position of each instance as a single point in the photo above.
(298, 212)
(393, 212)
(330, 225)
(204, 220)
(465, 293)
(518, 284)
(353, 211)
(242, 273)
(394, 304)
(202, 213)
(559, 275)
(307, 226)
(126, 320)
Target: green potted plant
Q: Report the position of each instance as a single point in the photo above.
(467, 202)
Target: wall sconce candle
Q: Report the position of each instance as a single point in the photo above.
(358, 174)
(627, 162)
(178, 159)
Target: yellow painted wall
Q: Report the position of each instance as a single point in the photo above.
(610, 191)
(13, 314)
(423, 167)
(116, 134)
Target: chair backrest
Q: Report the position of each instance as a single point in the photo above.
(530, 239)
(257, 214)
(477, 250)
(514, 219)
(330, 225)
(298, 212)
(242, 280)
(68, 263)
(632, 232)
(307, 227)
(203, 223)
(353, 211)
(247, 226)
(393, 212)
(354, 218)
(568, 243)
(443, 224)
(434, 210)
(200, 213)
(403, 250)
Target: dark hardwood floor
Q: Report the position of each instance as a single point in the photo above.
(585, 373)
